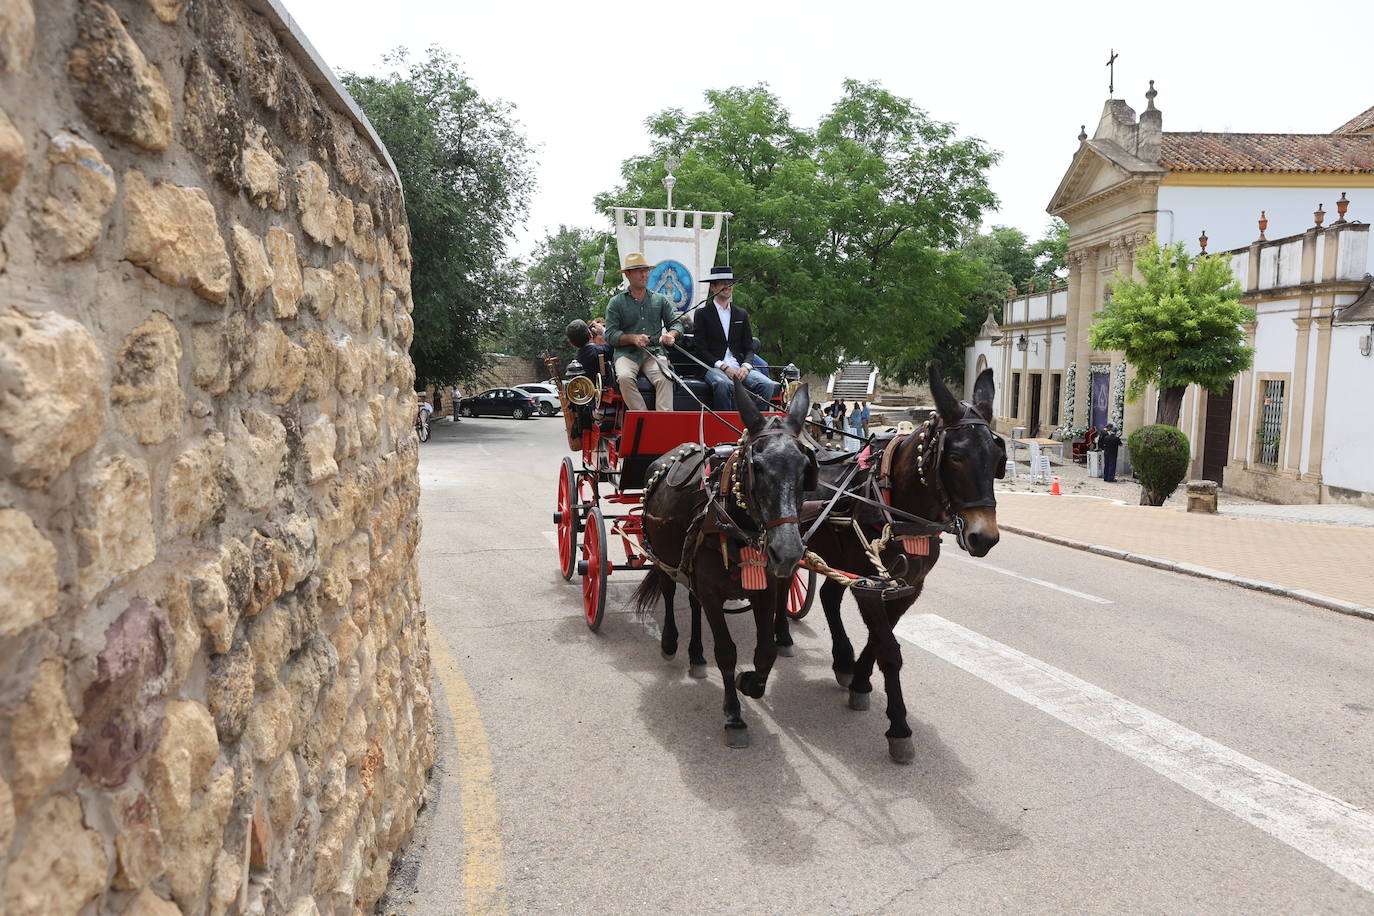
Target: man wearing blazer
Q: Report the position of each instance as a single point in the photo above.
(725, 341)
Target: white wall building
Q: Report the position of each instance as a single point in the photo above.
(1309, 288)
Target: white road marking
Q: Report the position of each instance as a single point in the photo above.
(1333, 832)
(1016, 575)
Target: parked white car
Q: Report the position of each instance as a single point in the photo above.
(544, 394)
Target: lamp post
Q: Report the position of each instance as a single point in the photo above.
(669, 181)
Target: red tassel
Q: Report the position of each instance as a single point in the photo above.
(916, 547)
(753, 576)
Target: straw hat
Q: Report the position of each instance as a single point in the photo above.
(634, 260)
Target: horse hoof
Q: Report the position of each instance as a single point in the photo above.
(668, 655)
(697, 670)
(859, 701)
(903, 750)
(736, 737)
(844, 678)
(787, 651)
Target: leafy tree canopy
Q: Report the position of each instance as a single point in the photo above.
(467, 174)
(559, 286)
(1179, 324)
(1004, 260)
(847, 232)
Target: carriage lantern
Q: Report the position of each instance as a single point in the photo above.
(1021, 343)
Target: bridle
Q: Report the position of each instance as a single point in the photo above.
(737, 476)
(930, 452)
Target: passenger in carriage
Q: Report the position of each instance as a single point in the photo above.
(725, 341)
(639, 323)
(589, 352)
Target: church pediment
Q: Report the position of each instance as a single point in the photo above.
(1097, 167)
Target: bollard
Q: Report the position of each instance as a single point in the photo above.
(1202, 496)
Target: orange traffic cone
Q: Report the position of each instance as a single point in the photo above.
(1054, 488)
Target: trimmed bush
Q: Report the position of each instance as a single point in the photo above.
(1159, 458)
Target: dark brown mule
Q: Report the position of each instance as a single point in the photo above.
(760, 496)
(945, 477)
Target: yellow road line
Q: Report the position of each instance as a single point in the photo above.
(484, 869)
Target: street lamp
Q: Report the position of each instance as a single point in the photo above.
(669, 181)
(1021, 343)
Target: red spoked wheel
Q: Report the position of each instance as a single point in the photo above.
(801, 593)
(594, 569)
(565, 518)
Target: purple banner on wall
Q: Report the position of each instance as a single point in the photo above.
(1100, 391)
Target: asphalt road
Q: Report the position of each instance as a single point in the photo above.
(1092, 736)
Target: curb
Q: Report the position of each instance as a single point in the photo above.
(1202, 572)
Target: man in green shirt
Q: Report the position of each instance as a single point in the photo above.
(638, 321)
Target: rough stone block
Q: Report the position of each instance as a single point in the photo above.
(229, 691)
(121, 710)
(262, 169)
(319, 443)
(212, 122)
(115, 85)
(319, 214)
(41, 733)
(269, 726)
(286, 272)
(318, 291)
(221, 351)
(16, 35)
(193, 497)
(114, 528)
(28, 567)
(279, 365)
(173, 233)
(146, 388)
(138, 845)
(348, 295)
(147, 903)
(166, 10)
(81, 188)
(250, 258)
(61, 867)
(254, 449)
(52, 402)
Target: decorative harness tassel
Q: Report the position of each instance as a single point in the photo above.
(917, 546)
(753, 575)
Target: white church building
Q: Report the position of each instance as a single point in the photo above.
(1289, 210)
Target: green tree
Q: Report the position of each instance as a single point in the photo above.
(1002, 259)
(559, 286)
(846, 233)
(1179, 324)
(466, 171)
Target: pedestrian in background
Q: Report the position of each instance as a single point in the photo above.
(866, 415)
(1109, 442)
(856, 419)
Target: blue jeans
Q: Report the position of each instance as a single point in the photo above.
(723, 387)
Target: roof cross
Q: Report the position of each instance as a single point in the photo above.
(1111, 73)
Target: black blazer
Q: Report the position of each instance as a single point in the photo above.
(710, 341)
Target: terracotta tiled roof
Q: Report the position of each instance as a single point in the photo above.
(1204, 152)
(1362, 122)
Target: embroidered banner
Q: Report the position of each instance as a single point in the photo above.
(679, 243)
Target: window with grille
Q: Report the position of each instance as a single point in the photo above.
(1271, 423)
(1015, 395)
(1056, 395)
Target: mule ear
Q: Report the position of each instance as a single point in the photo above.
(799, 408)
(946, 403)
(982, 394)
(748, 411)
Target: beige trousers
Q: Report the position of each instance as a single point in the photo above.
(627, 375)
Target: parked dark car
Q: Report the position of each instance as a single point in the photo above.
(498, 402)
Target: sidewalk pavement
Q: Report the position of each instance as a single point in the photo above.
(1325, 562)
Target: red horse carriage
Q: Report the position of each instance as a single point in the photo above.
(599, 509)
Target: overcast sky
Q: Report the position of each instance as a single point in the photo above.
(1021, 76)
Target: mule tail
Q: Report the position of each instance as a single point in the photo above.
(648, 592)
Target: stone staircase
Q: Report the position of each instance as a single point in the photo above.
(853, 382)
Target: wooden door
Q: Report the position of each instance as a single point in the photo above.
(1033, 420)
(1216, 436)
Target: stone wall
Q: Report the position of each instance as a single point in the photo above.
(213, 669)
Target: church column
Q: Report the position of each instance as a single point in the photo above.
(1322, 319)
(1088, 301)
